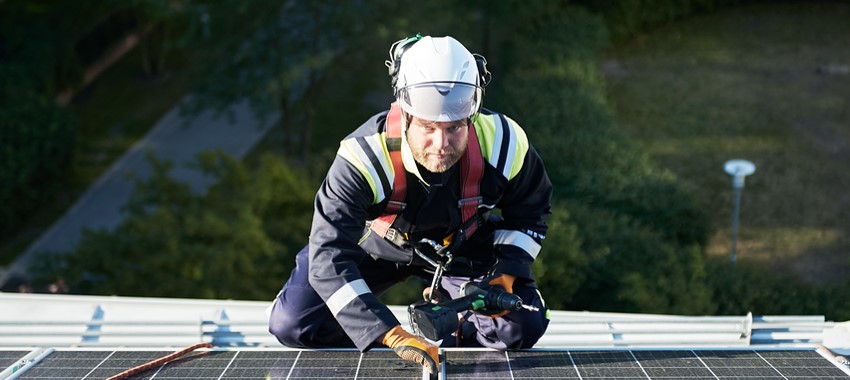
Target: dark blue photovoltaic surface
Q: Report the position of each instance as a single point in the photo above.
(10, 358)
(459, 364)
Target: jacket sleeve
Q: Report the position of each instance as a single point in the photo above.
(339, 216)
(525, 206)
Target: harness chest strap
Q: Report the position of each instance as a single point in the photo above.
(472, 170)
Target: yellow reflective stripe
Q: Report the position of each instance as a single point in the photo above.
(491, 134)
(517, 239)
(347, 150)
(344, 295)
(352, 152)
(487, 134)
(378, 145)
(519, 149)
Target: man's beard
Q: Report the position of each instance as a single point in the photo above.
(434, 165)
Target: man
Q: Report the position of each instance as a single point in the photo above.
(438, 178)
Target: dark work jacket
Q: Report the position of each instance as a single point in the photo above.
(357, 189)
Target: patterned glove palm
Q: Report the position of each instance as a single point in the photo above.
(412, 348)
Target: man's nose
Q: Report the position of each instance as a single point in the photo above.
(440, 138)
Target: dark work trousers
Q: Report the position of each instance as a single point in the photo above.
(299, 317)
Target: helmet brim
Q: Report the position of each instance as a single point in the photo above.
(440, 101)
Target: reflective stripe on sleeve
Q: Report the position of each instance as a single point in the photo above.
(372, 164)
(503, 143)
(517, 239)
(346, 294)
(518, 151)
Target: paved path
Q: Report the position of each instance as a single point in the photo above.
(173, 138)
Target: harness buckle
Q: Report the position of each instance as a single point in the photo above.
(477, 200)
(395, 207)
(391, 234)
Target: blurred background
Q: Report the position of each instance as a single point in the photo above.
(633, 105)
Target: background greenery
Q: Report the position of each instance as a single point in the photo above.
(632, 230)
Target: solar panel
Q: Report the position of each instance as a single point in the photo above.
(11, 361)
(10, 358)
(459, 364)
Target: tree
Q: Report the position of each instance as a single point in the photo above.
(36, 146)
(637, 235)
(237, 241)
(282, 63)
(155, 20)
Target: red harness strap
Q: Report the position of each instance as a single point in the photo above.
(396, 205)
(472, 170)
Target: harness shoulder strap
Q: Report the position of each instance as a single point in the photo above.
(399, 191)
(472, 170)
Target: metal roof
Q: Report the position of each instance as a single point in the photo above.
(50, 320)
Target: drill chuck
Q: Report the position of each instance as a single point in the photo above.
(493, 298)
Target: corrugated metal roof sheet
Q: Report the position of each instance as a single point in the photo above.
(49, 320)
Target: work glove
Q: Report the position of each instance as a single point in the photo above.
(412, 348)
(506, 281)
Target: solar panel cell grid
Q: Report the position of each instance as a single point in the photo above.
(673, 364)
(260, 365)
(459, 364)
(10, 358)
(385, 365)
(607, 364)
(477, 365)
(542, 365)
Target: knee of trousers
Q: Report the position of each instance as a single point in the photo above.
(306, 328)
(525, 328)
(286, 327)
(517, 330)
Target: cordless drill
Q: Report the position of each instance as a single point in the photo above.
(436, 321)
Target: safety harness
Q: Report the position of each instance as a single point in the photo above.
(471, 168)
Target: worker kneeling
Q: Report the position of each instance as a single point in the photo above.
(415, 192)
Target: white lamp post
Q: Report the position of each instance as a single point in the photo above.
(738, 169)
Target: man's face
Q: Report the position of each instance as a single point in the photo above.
(437, 145)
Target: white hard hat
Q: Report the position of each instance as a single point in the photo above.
(438, 80)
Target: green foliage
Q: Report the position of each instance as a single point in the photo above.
(733, 84)
(405, 293)
(36, 137)
(747, 287)
(635, 269)
(562, 266)
(36, 146)
(237, 241)
(626, 18)
(633, 234)
(280, 66)
(625, 235)
(43, 35)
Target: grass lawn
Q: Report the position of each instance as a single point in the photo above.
(769, 83)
